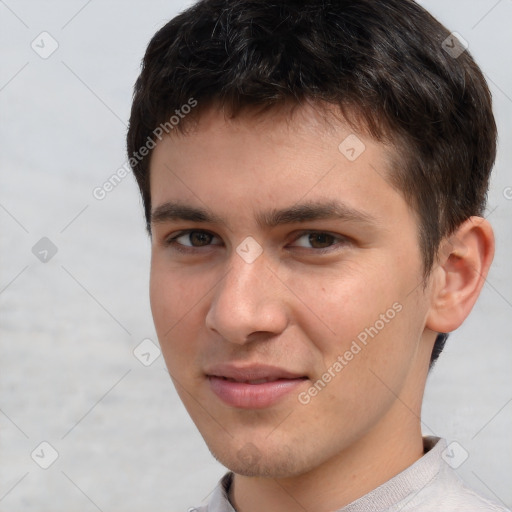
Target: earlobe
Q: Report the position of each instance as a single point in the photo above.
(461, 269)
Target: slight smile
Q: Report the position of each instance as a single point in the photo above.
(252, 387)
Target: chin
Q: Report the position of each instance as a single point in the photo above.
(270, 462)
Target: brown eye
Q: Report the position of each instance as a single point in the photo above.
(199, 238)
(321, 240)
(318, 240)
(191, 239)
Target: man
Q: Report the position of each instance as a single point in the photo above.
(314, 177)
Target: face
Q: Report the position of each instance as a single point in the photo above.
(285, 288)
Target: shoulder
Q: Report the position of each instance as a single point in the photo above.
(462, 498)
(447, 492)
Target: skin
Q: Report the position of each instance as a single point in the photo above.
(298, 309)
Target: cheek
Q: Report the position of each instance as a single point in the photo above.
(173, 291)
(363, 314)
(342, 304)
(376, 343)
(172, 299)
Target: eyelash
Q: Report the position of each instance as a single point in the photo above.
(174, 245)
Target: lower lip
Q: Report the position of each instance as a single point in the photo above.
(252, 396)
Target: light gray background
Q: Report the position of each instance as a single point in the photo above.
(68, 327)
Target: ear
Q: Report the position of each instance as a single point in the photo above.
(462, 265)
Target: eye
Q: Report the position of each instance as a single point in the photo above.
(319, 240)
(191, 238)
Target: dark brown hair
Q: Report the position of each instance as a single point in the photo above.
(402, 73)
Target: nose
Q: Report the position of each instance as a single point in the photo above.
(249, 300)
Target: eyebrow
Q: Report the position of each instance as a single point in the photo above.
(297, 213)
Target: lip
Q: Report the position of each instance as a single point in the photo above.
(238, 386)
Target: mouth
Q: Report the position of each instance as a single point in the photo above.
(255, 381)
(252, 387)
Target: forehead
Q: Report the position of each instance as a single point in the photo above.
(271, 160)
